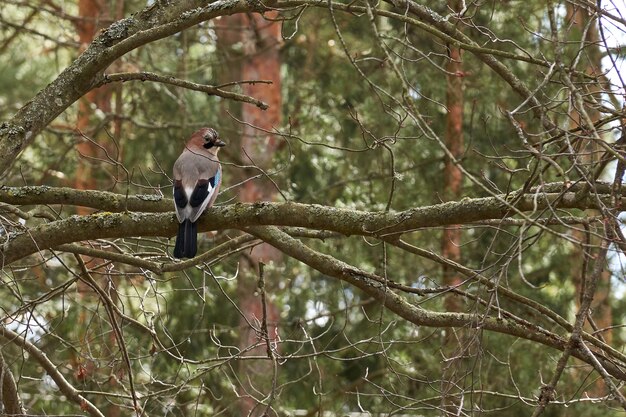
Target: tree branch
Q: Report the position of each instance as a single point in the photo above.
(9, 396)
(210, 257)
(344, 221)
(155, 22)
(209, 89)
(100, 200)
(511, 295)
(157, 203)
(51, 369)
(375, 287)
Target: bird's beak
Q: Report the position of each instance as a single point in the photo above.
(219, 143)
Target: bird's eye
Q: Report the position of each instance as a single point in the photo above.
(207, 138)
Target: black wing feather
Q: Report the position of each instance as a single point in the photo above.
(179, 194)
(200, 193)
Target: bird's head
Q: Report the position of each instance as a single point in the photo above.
(207, 138)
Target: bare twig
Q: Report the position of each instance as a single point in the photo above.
(209, 89)
(51, 369)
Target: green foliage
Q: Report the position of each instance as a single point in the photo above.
(349, 143)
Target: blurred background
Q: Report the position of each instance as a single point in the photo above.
(372, 107)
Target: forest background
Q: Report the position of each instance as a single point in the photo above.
(420, 212)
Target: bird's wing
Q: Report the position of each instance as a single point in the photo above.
(204, 194)
(196, 181)
(180, 200)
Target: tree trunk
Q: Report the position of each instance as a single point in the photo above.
(454, 343)
(452, 175)
(92, 13)
(260, 61)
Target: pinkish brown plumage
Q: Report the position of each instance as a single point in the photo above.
(197, 179)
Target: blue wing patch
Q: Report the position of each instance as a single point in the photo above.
(216, 179)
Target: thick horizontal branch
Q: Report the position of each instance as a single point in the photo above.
(99, 200)
(157, 203)
(209, 89)
(238, 216)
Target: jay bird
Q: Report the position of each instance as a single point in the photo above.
(197, 179)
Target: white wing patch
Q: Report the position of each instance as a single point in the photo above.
(192, 213)
(199, 210)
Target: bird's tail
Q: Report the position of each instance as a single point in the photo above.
(186, 240)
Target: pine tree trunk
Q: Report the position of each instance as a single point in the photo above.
(260, 61)
(453, 177)
(91, 12)
(454, 345)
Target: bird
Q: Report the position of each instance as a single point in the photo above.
(197, 179)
